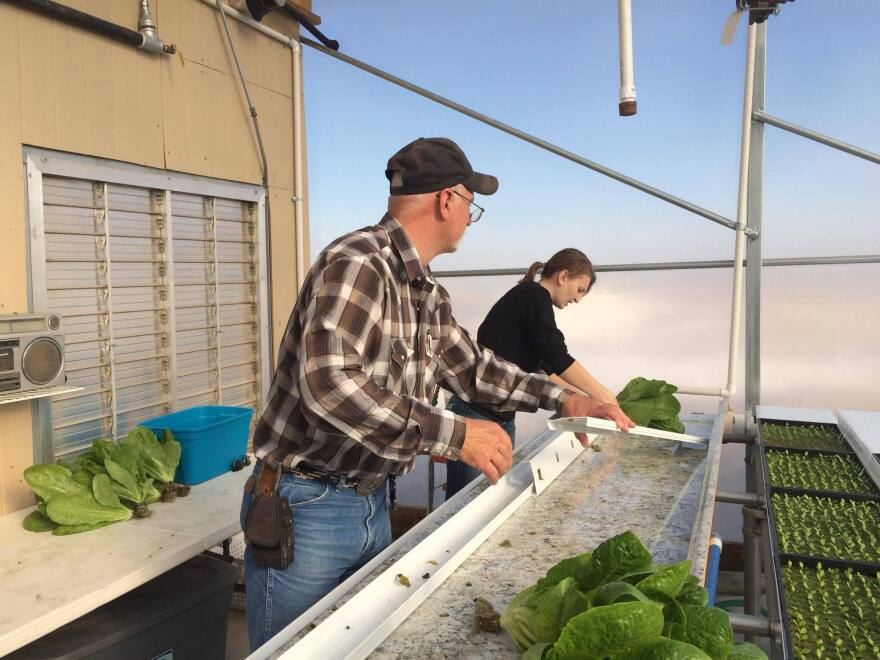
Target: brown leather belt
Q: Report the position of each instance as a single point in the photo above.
(364, 487)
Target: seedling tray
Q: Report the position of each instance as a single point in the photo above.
(848, 532)
(787, 606)
(821, 445)
(869, 487)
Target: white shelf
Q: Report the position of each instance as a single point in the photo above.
(15, 397)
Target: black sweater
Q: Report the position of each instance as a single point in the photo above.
(521, 328)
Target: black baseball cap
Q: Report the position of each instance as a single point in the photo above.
(430, 164)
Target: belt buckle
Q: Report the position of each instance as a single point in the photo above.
(367, 487)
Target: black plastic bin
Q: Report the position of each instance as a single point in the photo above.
(179, 615)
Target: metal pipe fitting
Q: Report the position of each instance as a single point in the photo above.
(746, 499)
(749, 624)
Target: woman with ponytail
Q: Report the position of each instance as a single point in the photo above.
(521, 328)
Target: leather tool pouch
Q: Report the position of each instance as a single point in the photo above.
(268, 526)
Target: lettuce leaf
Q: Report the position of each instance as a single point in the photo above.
(37, 522)
(612, 559)
(651, 403)
(607, 630)
(84, 509)
(51, 480)
(707, 628)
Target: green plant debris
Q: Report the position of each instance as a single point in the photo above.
(837, 473)
(614, 603)
(109, 483)
(404, 580)
(506, 543)
(800, 436)
(832, 613)
(823, 527)
(485, 616)
(651, 403)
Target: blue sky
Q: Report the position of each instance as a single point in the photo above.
(552, 70)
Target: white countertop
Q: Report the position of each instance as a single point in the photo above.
(47, 581)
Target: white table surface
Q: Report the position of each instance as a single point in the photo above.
(47, 581)
(865, 425)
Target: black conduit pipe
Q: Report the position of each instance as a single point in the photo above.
(300, 18)
(80, 19)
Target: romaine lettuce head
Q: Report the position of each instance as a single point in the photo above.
(537, 615)
(651, 403)
(160, 458)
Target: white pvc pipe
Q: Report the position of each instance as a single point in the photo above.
(745, 147)
(299, 162)
(703, 391)
(627, 105)
(246, 19)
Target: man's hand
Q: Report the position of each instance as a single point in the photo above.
(487, 447)
(578, 405)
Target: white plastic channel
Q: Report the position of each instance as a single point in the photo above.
(607, 427)
(362, 623)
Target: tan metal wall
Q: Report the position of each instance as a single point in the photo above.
(66, 89)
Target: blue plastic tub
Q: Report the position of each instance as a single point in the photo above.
(212, 438)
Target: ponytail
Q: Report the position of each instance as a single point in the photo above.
(570, 259)
(532, 271)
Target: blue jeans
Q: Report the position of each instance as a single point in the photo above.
(459, 474)
(335, 532)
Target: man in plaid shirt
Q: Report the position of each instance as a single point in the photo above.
(371, 338)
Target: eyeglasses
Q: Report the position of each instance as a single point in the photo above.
(476, 212)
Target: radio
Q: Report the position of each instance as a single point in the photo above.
(31, 353)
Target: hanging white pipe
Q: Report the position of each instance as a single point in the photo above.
(299, 162)
(627, 105)
(741, 218)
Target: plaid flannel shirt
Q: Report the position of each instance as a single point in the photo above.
(370, 339)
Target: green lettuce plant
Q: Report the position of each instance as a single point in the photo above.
(651, 403)
(614, 603)
(109, 483)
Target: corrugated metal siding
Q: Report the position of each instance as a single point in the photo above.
(159, 292)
